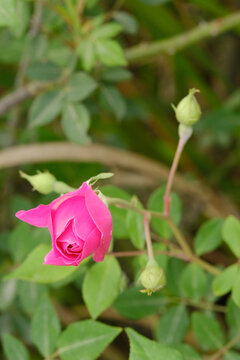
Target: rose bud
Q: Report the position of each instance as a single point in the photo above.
(41, 182)
(188, 111)
(152, 278)
(80, 225)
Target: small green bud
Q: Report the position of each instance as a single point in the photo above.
(152, 278)
(41, 182)
(188, 111)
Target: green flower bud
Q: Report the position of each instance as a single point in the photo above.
(188, 111)
(152, 278)
(41, 182)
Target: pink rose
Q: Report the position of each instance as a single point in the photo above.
(80, 225)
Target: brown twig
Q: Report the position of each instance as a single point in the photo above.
(27, 91)
(215, 205)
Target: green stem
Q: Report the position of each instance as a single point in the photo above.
(200, 304)
(180, 238)
(177, 233)
(178, 42)
(225, 348)
(178, 254)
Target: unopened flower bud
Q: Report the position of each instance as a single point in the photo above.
(41, 182)
(152, 278)
(188, 111)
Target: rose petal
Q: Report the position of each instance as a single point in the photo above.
(73, 208)
(103, 220)
(37, 216)
(79, 192)
(91, 244)
(52, 259)
(67, 238)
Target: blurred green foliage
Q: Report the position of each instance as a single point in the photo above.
(71, 59)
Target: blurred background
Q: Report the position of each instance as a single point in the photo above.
(126, 124)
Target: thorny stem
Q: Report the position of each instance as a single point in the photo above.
(146, 222)
(167, 198)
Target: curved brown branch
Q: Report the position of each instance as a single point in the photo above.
(115, 158)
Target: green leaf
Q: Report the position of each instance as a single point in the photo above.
(209, 236)
(223, 283)
(45, 327)
(43, 71)
(86, 339)
(80, 87)
(173, 325)
(7, 293)
(135, 227)
(116, 74)
(21, 20)
(113, 101)
(8, 13)
(87, 53)
(231, 355)
(128, 22)
(20, 242)
(188, 352)
(118, 215)
(32, 269)
(23, 239)
(174, 271)
(30, 295)
(193, 282)
(45, 108)
(101, 286)
(141, 348)
(76, 122)
(156, 204)
(13, 348)
(207, 331)
(110, 53)
(107, 31)
(233, 318)
(132, 304)
(231, 234)
(236, 288)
